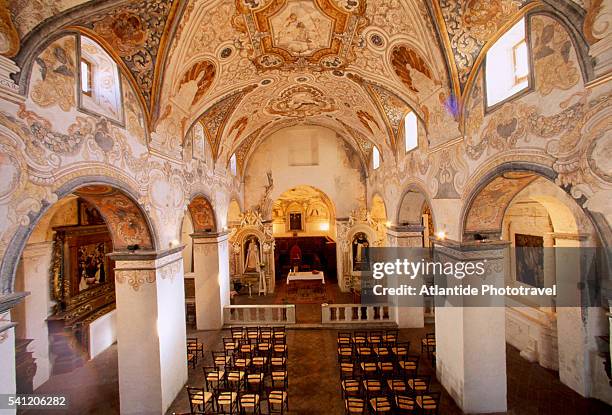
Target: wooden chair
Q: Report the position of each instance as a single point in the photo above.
(347, 370)
(375, 338)
(266, 334)
(380, 405)
(360, 338)
(192, 360)
(369, 370)
(391, 337)
(252, 333)
(408, 366)
(279, 334)
(345, 353)
(350, 388)
(249, 403)
(428, 344)
(419, 385)
(429, 404)
(237, 333)
(278, 402)
(235, 380)
(397, 386)
(279, 380)
(354, 406)
(200, 401)
(214, 379)
(255, 382)
(405, 404)
(344, 339)
(372, 388)
(400, 350)
(227, 402)
(195, 347)
(221, 360)
(230, 345)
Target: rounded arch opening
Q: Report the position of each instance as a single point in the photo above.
(130, 228)
(303, 210)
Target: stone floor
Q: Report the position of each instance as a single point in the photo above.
(314, 386)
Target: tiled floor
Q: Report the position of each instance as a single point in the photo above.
(314, 386)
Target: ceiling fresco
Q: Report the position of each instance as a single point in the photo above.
(235, 66)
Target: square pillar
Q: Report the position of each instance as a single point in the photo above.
(407, 236)
(211, 277)
(151, 332)
(8, 376)
(471, 337)
(37, 306)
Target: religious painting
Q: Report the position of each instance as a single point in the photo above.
(202, 215)
(88, 214)
(92, 265)
(301, 28)
(295, 221)
(252, 255)
(360, 247)
(529, 259)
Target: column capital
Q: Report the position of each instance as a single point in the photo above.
(10, 300)
(209, 237)
(144, 255)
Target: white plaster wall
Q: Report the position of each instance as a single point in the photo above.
(102, 333)
(7, 357)
(171, 331)
(337, 173)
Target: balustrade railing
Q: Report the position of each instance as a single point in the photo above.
(356, 313)
(259, 315)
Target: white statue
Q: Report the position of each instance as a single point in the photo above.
(251, 261)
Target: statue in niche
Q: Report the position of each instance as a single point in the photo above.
(252, 257)
(360, 252)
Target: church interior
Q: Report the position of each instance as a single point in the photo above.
(191, 192)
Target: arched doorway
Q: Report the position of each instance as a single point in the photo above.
(103, 257)
(553, 242)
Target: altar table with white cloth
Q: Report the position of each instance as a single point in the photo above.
(305, 276)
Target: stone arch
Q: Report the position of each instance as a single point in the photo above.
(414, 193)
(128, 224)
(202, 214)
(501, 185)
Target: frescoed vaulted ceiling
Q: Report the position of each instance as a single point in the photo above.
(241, 68)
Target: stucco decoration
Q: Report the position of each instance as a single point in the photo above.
(56, 74)
(292, 34)
(134, 31)
(552, 52)
(469, 25)
(487, 210)
(301, 101)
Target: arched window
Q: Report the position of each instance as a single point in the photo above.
(375, 158)
(411, 132)
(233, 164)
(507, 65)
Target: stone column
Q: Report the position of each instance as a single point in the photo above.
(407, 236)
(8, 377)
(36, 264)
(151, 332)
(212, 280)
(470, 339)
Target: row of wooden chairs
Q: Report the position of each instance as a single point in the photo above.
(379, 374)
(230, 402)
